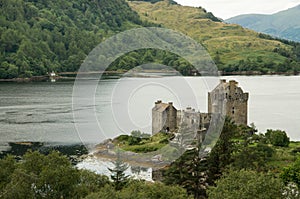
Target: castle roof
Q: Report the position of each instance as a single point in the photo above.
(161, 107)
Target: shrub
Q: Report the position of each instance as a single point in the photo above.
(277, 138)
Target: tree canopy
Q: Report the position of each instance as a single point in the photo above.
(37, 37)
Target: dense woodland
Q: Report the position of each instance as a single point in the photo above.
(37, 37)
(243, 164)
(40, 36)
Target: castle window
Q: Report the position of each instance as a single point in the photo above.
(232, 110)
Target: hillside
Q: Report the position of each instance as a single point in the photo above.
(40, 36)
(37, 37)
(284, 24)
(232, 47)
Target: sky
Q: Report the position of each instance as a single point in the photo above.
(230, 8)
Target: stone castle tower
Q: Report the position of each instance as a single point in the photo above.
(229, 99)
(164, 117)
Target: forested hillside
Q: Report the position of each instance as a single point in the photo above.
(38, 36)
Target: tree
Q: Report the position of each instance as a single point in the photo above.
(90, 182)
(46, 176)
(141, 189)
(221, 155)
(252, 157)
(291, 174)
(7, 165)
(195, 173)
(190, 172)
(41, 176)
(277, 138)
(245, 184)
(118, 175)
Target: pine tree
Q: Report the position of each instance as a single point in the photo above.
(118, 172)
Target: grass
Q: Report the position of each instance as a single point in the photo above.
(144, 145)
(284, 156)
(231, 42)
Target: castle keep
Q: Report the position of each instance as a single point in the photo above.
(233, 100)
(227, 99)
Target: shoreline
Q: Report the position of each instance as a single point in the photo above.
(47, 78)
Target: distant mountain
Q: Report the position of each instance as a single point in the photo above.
(284, 24)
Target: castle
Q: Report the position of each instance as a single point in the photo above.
(227, 99)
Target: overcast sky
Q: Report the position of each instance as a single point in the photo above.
(230, 8)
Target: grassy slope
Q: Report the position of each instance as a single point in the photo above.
(231, 42)
(153, 143)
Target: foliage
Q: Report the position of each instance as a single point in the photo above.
(233, 48)
(37, 37)
(277, 138)
(291, 173)
(90, 182)
(253, 157)
(7, 165)
(244, 184)
(118, 175)
(46, 176)
(190, 172)
(238, 148)
(155, 1)
(251, 150)
(141, 143)
(145, 56)
(53, 176)
(141, 189)
(195, 171)
(221, 155)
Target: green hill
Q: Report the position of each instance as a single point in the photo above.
(38, 36)
(233, 47)
(284, 24)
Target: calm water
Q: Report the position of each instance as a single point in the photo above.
(43, 111)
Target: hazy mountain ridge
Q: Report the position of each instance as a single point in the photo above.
(284, 24)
